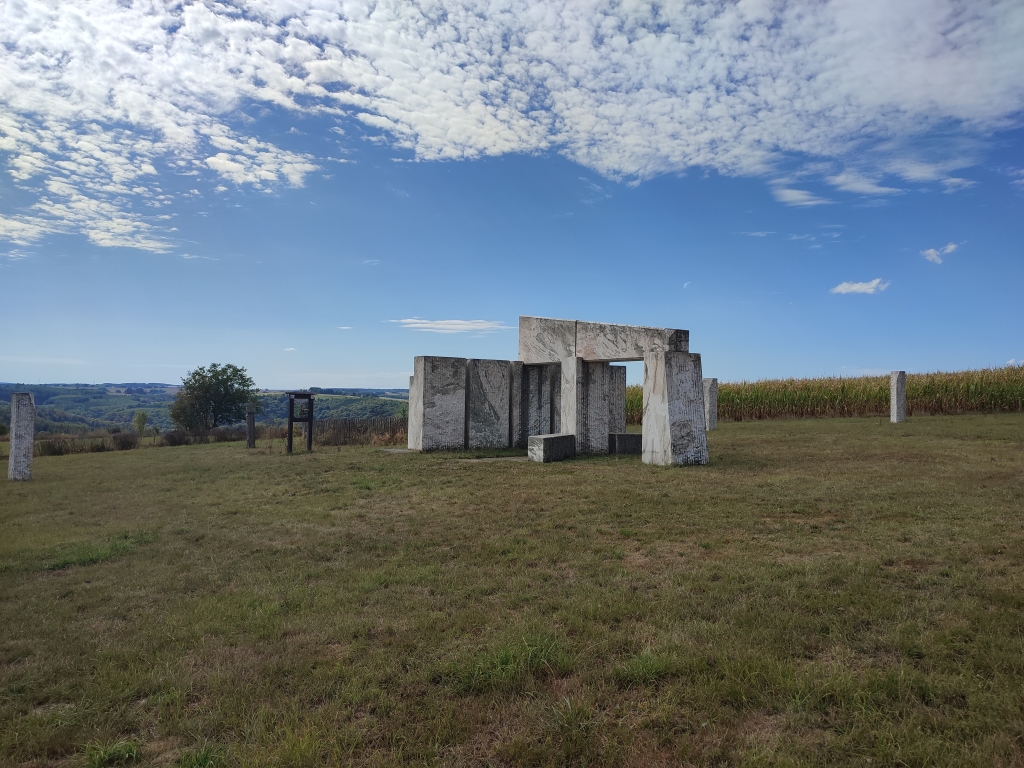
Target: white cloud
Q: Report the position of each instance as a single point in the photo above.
(934, 255)
(100, 97)
(798, 197)
(452, 326)
(345, 327)
(289, 349)
(872, 286)
(763, 233)
(954, 184)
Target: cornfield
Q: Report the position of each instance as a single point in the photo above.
(385, 430)
(989, 390)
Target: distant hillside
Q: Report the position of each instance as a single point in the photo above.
(80, 408)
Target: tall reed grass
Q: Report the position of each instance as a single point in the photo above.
(988, 390)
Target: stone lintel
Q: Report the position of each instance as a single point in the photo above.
(548, 340)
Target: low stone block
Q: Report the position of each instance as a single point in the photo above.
(625, 443)
(23, 434)
(898, 396)
(545, 448)
(710, 404)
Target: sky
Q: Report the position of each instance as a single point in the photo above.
(319, 191)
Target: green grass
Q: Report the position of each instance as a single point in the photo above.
(825, 592)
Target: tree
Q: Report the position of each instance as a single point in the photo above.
(139, 422)
(211, 396)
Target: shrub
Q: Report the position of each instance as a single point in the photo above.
(125, 441)
(176, 437)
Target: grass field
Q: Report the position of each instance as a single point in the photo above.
(826, 592)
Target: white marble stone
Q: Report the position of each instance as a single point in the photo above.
(710, 404)
(617, 398)
(584, 404)
(23, 433)
(610, 342)
(437, 404)
(545, 340)
(673, 422)
(898, 396)
(488, 413)
(545, 448)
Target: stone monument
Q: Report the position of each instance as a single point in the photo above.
(564, 384)
(898, 396)
(23, 433)
(710, 404)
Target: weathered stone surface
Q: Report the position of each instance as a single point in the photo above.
(543, 340)
(584, 401)
(673, 426)
(543, 384)
(437, 404)
(518, 400)
(23, 432)
(898, 396)
(710, 404)
(625, 443)
(545, 448)
(546, 340)
(616, 398)
(610, 342)
(488, 389)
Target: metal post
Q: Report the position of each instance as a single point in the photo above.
(309, 427)
(250, 425)
(291, 420)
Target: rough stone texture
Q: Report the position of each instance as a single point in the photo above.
(673, 426)
(545, 448)
(898, 396)
(488, 389)
(517, 401)
(23, 433)
(546, 340)
(625, 443)
(542, 340)
(710, 404)
(437, 404)
(584, 404)
(543, 385)
(610, 342)
(616, 398)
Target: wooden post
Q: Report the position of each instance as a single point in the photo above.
(309, 427)
(250, 425)
(291, 420)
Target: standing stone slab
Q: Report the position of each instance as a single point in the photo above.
(488, 389)
(898, 396)
(23, 433)
(710, 404)
(543, 385)
(437, 404)
(584, 404)
(673, 429)
(616, 399)
(517, 403)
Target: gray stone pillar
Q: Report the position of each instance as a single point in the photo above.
(710, 404)
(616, 399)
(898, 396)
(517, 406)
(673, 431)
(23, 433)
(250, 425)
(488, 403)
(437, 404)
(542, 384)
(584, 404)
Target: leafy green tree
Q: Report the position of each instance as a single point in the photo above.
(211, 396)
(139, 422)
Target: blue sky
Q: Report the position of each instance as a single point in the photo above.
(321, 191)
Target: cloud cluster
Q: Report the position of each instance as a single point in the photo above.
(871, 286)
(453, 326)
(934, 255)
(100, 98)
